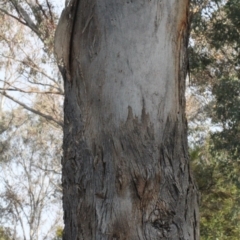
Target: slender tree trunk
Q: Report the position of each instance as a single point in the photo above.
(125, 166)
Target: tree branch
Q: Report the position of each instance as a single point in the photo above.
(31, 65)
(47, 117)
(16, 18)
(20, 90)
(50, 11)
(26, 17)
(23, 14)
(41, 8)
(45, 85)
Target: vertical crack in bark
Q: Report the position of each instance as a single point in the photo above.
(74, 12)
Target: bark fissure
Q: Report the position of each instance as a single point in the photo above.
(73, 15)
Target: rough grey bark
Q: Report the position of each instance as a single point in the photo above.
(125, 166)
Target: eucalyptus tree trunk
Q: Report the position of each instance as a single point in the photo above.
(125, 166)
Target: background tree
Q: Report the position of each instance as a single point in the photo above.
(30, 177)
(28, 65)
(30, 141)
(214, 64)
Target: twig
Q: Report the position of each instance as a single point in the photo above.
(10, 15)
(48, 117)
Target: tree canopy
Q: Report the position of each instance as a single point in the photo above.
(214, 73)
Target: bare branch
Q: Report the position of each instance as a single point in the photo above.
(21, 222)
(38, 92)
(32, 65)
(10, 15)
(50, 11)
(47, 117)
(41, 8)
(45, 84)
(25, 16)
(48, 170)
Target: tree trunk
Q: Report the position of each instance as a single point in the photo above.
(125, 166)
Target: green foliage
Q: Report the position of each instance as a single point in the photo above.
(220, 193)
(226, 25)
(227, 113)
(5, 234)
(215, 68)
(215, 49)
(59, 234)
